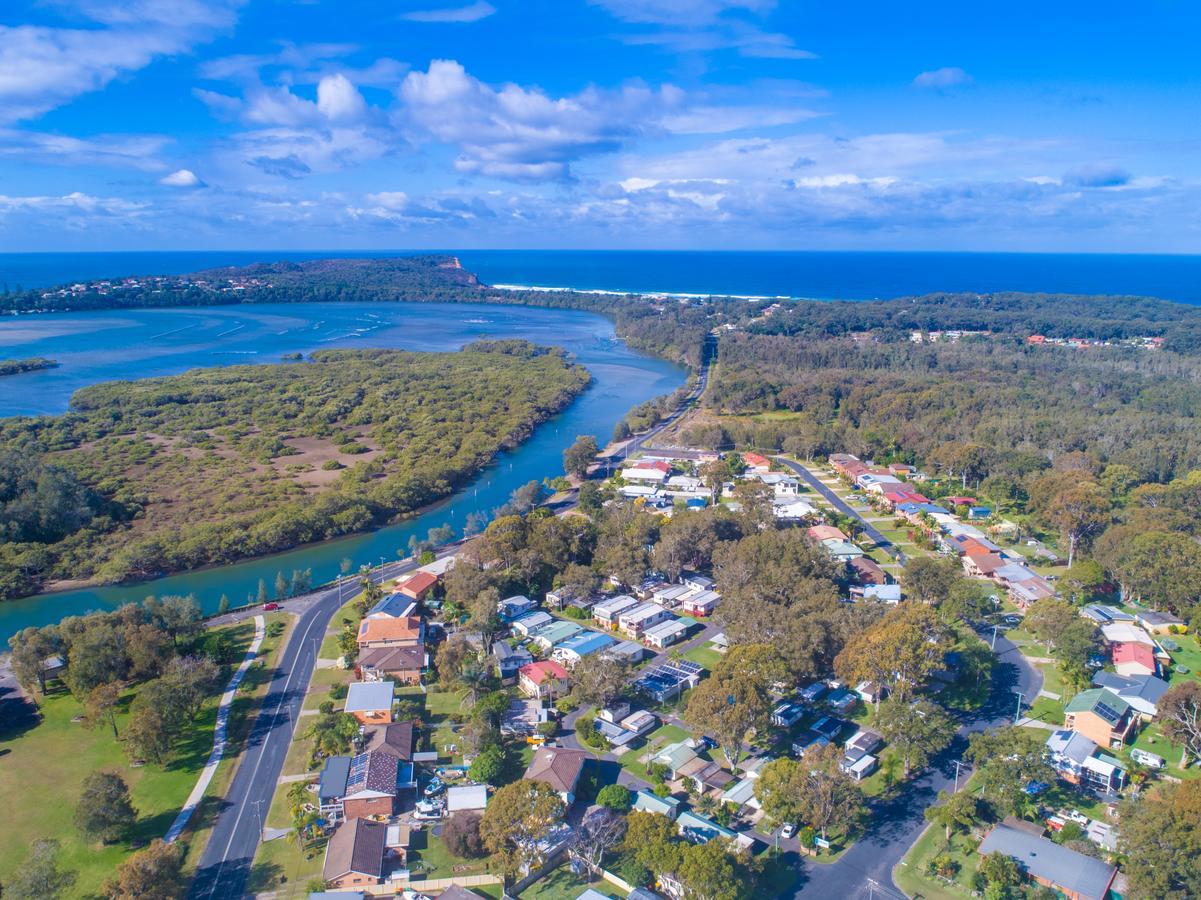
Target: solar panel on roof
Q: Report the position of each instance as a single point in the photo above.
(1107, 712)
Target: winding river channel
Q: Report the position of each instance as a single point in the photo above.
(125, 344)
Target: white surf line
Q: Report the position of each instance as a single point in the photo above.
(210, 768)
(155, 337)
(232, 330)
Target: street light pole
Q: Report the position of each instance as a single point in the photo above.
(994, 637)
(958, 763)
(1017, 716)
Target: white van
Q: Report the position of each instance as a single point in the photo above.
(1143, 758)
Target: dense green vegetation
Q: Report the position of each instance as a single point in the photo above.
(219, 464)
(17, 366)
(1099, 447)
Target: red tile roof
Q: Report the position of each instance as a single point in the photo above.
(1134, 652)
(538, 672)
(417, 584)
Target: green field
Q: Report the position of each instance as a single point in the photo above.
(45, 765)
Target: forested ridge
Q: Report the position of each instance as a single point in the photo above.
(166, 474)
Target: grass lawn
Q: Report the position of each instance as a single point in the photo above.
(45, 766)
(704, 655)
(563, 884)
(283, 859)
(659, 738)
(430, 858)
(329, 646)
(910, 873)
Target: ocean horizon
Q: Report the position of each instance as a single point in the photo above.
(819, 275)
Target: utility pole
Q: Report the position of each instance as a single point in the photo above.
(1017, 716)
(958, 763)
(994, 637)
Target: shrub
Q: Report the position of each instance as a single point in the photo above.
(332, 465)
(462, 835)
(338, 691)
(585, 730)
(616, 797)
(574, 612)
(807, 837)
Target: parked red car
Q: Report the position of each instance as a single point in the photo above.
(270, 607)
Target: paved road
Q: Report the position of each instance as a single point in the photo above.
(225, 863)
(843, 507)
(897, 823)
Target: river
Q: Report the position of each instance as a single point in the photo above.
(125, 344)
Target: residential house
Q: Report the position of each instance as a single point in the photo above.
(544, 680)
(983, 565)
(867, 571)
(670, 595)
(1024, 593)
(372, 784)
(1134, 658)
(404, 631)
(792, 510)
(530, 622)
(1073, 874)
(627, 651)
(684, 485)
(1142, 692)
(666, 633)
(882, 593)
(701, 603)
(701, 830)
(784, 487)
(523, 717)
(819, 533)
(371, 701)
(394, 606)
(419, 585)
(645, 801)
(559, 768)
(647, 472)
(575, 648)
(842, 551)
(809, 743)
(675, 757)
(668, 680)
(509, 659)
(813, 692)
(634, 621)
(1123, 632)
(1100, 715)
(355, 855)
(512, 607)
(640, 722)
(1074, 756)
(859, 767)
(742, 793)
(400, 664)
(561, 598)
(1159, 622)
(606, 612)
(787, 713)
(755, 463)
(397, 739)
(1105, 615)
(331, 786)
(556, 632)
(876, 481)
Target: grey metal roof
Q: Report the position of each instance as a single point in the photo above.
(1144, 687)
(368, 696)
(333, 778)
(1089, 878)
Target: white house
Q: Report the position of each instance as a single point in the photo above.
(665, 633)
(606, 611)
(635, 620)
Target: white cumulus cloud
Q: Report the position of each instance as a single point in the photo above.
(183, 178)
(472, 12)
(943, 79)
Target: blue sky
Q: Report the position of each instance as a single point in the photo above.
(170, 124)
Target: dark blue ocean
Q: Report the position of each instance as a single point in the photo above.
(822, 275)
